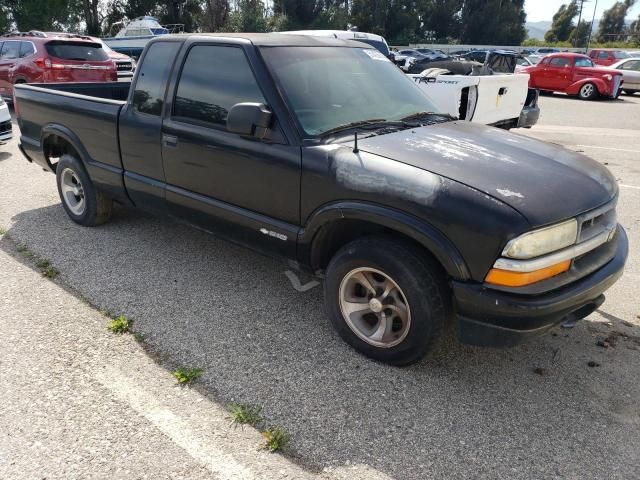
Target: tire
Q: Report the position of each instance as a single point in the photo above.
(588, 91)
(409, 277)
(630, 92)
(84, 204)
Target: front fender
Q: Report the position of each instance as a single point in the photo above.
(600, 84)
(419, 230)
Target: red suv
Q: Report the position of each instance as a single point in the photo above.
(38, 57)
(607, 57)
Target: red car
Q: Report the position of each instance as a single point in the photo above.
(574, 74)
(606, 57)
(38, 57)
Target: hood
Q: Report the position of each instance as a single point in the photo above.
(546, 183)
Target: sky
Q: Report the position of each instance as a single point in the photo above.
(544, 9)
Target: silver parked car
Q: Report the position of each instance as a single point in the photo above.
(630, 68)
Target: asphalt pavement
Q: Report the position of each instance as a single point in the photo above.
(535, 411)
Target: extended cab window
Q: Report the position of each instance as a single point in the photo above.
(213, 79)
(603, 55)
(148, 96)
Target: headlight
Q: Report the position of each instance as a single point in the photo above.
(545, 240)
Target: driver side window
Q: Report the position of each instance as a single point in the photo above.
(213, 79)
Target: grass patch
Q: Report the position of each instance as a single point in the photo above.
(3, 230)
(120, 324)
(245, 414)
(24, 251)
(46, 269)
(276, 439)
(186, 376)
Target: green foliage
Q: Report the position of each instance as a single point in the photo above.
(276, 439)
(46, 269)
(2, 231)
(245, 414)
(613, 21)
(498, 22)
(580, 34)
(562, 25)
(186, 376)
(120, 324)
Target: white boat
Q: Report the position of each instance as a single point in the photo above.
(135, 34)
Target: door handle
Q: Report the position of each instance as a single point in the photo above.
(169, 141)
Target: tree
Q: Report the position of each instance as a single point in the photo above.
(91, 17)
(215, 15)
(249, 16)
(580, 34)
(613, 20)
(562, 25)
(39, 15)
(440, 19)
(6, 20)
(493, 22)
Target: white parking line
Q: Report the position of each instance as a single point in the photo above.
(629, 186)
(609, 148)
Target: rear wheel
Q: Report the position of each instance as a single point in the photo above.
(83, 203)
(388, 299)
(630, 92)
(588, 91)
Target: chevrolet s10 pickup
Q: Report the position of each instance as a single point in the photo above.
(285, 144)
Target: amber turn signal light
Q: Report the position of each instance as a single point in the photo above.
(507, 278)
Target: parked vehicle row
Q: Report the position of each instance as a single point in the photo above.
(413, 218)
(52, 57)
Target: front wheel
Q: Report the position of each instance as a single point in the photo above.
(83, 203)
(588, 91)
(387, 299)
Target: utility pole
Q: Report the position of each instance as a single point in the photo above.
(575, 38)
(591, 28)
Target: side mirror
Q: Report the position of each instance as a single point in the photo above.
(251, 119)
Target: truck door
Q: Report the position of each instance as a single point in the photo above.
(140, 125)
(558, 73)
(241, 187)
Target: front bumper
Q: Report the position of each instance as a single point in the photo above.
(6, 130)
(491, 318)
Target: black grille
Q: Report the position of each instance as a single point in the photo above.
(597, 223)
(5, 126)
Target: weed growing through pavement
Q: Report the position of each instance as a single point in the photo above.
(46, 269)
(24, 250)
(120, 324)
(245, 414)
(276, 439)
(186, 376)
(2, 231)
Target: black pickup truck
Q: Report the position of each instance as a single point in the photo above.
(322, 152)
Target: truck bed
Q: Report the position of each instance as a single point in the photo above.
(89, 111)
(85, 112)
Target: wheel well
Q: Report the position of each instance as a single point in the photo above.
(54, 147)
(335, 235)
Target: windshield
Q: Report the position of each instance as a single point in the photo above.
(621, 55)
(377, 44)
(327, 87)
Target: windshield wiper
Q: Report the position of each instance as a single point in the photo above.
(361, 123)
(417, 115)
